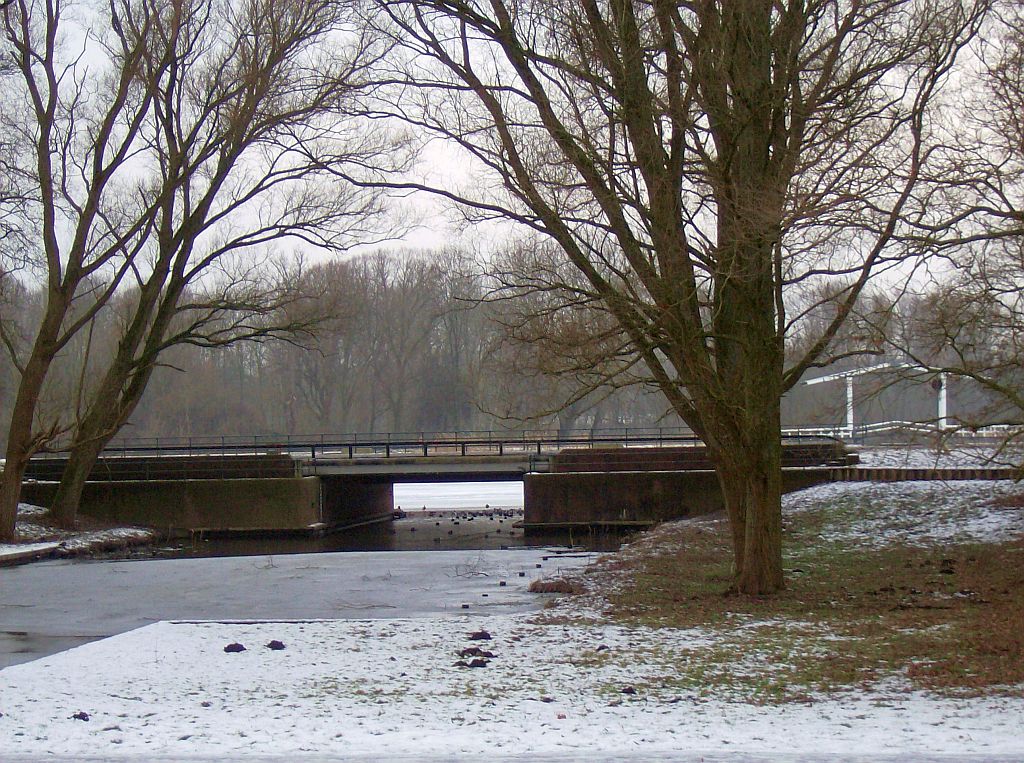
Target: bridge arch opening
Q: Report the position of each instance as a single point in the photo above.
(458, 496)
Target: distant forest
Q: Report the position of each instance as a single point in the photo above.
(390, 342)
(402, 342)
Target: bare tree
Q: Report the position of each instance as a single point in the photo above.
(698, 163)
(206, 132)
(968, 328)
(554, 332)
(82, 136)
(406, 311)
(328, 373)
(456, 381)
(243, 134)
(338, 379)
(967, 320)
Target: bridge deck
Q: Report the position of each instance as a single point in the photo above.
(433, 468)
(446, 459)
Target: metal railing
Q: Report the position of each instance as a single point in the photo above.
(426, 443)
(903, 432)
(394, 444)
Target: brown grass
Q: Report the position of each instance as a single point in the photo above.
(950, 619)
(1014, 501)
(558, 585)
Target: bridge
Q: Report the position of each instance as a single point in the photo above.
(325, 483)
(406, 457)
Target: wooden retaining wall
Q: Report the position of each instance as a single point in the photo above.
(899, 474)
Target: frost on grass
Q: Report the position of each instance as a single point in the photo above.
(366, 687)
(564, 681)
(879, 575)
(955, 456)
(912, 513)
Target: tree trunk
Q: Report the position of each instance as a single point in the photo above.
(734, 493)
(115, 400)
(81, 459)
(761, 572)
(22, 442)
(752, 488)
(750, 474)
(10, 494)
(567, 418)
(18, 453)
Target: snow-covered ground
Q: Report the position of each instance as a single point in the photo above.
(10, 552)
(390, 687)
(914, 513)
(45, 540)
(955, 456)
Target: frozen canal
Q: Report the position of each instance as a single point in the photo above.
(380, 571)
(437, 516)
(51, 606)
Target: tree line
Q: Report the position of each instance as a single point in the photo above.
(386, 341)
(397, 341)
(404, 342)
(711, 200)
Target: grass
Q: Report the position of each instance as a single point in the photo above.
(948, 619)
(557, 585)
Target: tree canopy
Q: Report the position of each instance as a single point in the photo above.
(718, 172)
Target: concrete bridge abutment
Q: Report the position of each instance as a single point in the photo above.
(219, 494)
(633, 498)
(239, 505)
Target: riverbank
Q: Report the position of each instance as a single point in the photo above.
(898, 636)
(420, 530)
(38, 539)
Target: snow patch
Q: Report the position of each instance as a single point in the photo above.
(12, 551)
(369, 686)
(877, 514)
(953, 457)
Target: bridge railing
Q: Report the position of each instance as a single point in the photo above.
(535, 441)
(408, 444)
(393, 444)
